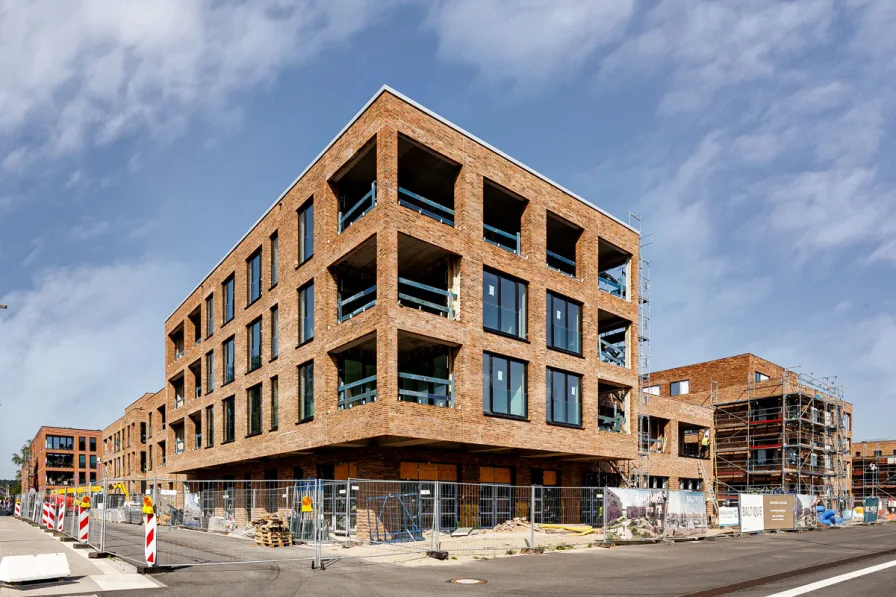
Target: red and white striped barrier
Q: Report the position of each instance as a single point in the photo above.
(60, 515)
(83, 523)
(150, 526)
(18, 511)
(45, 520)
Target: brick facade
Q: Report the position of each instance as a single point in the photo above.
(56, 454)
(874, 471)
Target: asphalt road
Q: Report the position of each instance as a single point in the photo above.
(748, 566)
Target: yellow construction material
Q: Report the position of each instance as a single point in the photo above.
(578, 529)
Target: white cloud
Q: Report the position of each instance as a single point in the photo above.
(83, 73)
(527, 42)
(79, 345)
(90, 230)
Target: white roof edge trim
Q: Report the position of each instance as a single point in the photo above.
(348, 125)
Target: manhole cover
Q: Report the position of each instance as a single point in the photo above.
(468, 581)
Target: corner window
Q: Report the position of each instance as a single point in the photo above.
(275, 332)
(275, 403)
(564, 324)
(229, 429)
(275, 259)
(210, 371)
(228, 298)
(306, 313)
(564, 397)
(228, 360)
(306, 232)
(209, 315)
(503, 386)
(677, 388)
(209, 426)
(306, 391)
(254, 342)
(253, 273)
(503, 304)
(253, 406)
(760, 376)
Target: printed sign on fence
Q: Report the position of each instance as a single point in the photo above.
(686, 514)
(871, 509)
(634, 514)
(751, 516)
(728, 516)
(806, 515)
(778, 512)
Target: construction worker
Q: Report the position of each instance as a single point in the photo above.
(704, 444)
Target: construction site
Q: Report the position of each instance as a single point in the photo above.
(775, 430)
(874, 472)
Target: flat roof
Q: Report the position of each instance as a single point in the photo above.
(424, 109)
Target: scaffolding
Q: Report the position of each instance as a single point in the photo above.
(874, 471)
(785, 435)
(640, 477)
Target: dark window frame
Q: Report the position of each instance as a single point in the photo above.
(229, 410)
(488, 377)
(232, 358)
(303, 293)
(274, 241)
(550, 415)
(305, 379)
(275, 402)
(520, 300)
(254, 398)
(210, 425)
(305, 216)
(254, 271)
(254, 362)
(228, 289)
(275, 332)
(551, 304)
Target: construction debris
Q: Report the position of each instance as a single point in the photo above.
(514, 524)
(270, 531)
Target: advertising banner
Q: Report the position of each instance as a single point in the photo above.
(871, 507)
(751, 513)
(631, 514)
(805, 513)
(778, 512)
(686, 514)
(728, 516)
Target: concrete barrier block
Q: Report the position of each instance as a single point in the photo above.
(26, 568)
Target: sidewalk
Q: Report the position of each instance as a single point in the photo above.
(87, 576)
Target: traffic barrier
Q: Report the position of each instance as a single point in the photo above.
(84, 519)
(18, 511)
(45, 566)
(149, 518)
(60, 514)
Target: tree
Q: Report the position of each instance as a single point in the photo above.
(23, 457)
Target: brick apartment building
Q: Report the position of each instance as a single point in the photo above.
(874, 471)
(762, 441)
(62, 457)
(415, 305)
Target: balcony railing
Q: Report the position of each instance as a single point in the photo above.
(612, 352)
(228, 374)
(197, 439)
(198, 391)
(357, 393)
(611, 285)
(499, 238)
(448, 310)
(178, 354)
(345, 306)
(561, 264)
(254, 362)
(359, 209)
(178, 402)
(426, 207)
(178, 446)
(437, 392)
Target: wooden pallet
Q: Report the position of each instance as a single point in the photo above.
(273, 538)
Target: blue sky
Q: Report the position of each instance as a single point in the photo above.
(139, 141)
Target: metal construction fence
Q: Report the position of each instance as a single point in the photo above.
(321, 521)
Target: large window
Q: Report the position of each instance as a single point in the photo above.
(253, 274)
(82, 443)
(209, 315)
(503, 386)
(253, 406)
(228, 299)
(209, 371)
(93, 461)
(275, 332)
(254, 342)
(228, 360)
(92, 442)
(306, 313)
(757, 376)
(275, 403)
(306, 232)
(60, 442)
(564, 397)
(564, 324)
(228, 419)
(306, 391)
(209, 426)
(677, 388)
(503, 304)
(275, 259)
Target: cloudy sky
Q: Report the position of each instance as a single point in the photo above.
(139, 140)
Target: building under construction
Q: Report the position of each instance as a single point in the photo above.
(775, 430)
(874, 471)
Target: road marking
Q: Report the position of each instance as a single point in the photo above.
(834, 580)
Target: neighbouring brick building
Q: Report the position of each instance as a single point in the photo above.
(874, 471)
(416, 305)
(62, 457)
(774, 429)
